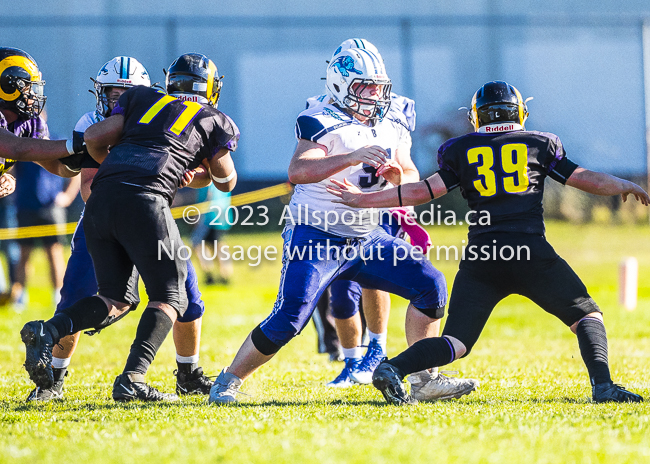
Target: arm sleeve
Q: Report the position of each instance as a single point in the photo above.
(225, 135)
(562, 170)
(446, 171)
(309, 128)
(559, 167)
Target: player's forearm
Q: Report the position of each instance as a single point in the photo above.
(28, 149)
(312, 170)
(412, 194)
(598, 183)
(57, 168)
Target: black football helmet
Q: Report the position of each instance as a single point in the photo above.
(497, 101)
(21, 86)
(194, 77)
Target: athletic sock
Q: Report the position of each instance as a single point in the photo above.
(381, 339)
(60, 363)
(86, 313)
(153, 328)
(187, 364)
(353, 353)
(59, 374)
(427, 353)
(592, 340)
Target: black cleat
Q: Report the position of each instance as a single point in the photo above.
(194, 383)
(55, 392)
(388, 381)
(39, 338)
(129, 387)
(610, 392)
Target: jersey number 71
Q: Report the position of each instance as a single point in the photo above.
(182, 121)
(513, 172)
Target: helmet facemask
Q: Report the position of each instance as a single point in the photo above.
(30, 101)
(369, 108)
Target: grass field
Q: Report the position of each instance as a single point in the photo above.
(533, 404)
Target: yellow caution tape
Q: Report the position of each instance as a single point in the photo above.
(177, 212)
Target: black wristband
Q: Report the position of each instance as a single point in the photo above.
(399, 194)
(426, 181)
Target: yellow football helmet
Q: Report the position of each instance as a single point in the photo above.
(21, 86)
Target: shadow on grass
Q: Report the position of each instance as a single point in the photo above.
(82, 406)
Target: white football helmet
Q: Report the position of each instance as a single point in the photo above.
(121, 71)
(348, 76)
(356, 43)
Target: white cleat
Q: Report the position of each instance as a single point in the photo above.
(426, 386)
(224, 389)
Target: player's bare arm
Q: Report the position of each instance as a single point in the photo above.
(57, 168)
(222, 171)
(29, 149)
(412, 194)
(102, 135)
(311, 163)
(599, 183)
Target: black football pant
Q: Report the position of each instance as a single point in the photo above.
(545, 278)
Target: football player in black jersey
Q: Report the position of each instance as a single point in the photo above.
(157, 142)
(500, 170)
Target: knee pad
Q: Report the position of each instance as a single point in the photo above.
(193, 312)
(262, 343)
(345, 297)
(433, 313)
(110, 320)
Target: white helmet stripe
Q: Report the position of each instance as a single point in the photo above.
(375, 60)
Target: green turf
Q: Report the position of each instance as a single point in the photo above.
(533, 404)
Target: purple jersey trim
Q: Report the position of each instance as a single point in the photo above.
(117, 110)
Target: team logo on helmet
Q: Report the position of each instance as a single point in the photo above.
(345, 65)
(21, 86)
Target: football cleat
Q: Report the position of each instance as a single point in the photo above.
(39, 338)
(427, 387)
(374, 355)
(343, 380)
(129, 387)
(55, 392)
(194, 383)
(225, 387)
(610, 392)
(388, 380)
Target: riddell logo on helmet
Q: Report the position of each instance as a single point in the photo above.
(500, 127)
(190, 98)
(125, 81)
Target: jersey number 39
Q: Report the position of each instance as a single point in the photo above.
(514, 166)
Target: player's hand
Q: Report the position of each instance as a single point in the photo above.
(391, 171)
(63, 200)
(372, 155)
(640, 194)
(347, 193)
(7, 185)
(187, 178)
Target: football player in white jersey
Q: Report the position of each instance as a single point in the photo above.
(345, 295)
(352, 139)
(113, 79)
